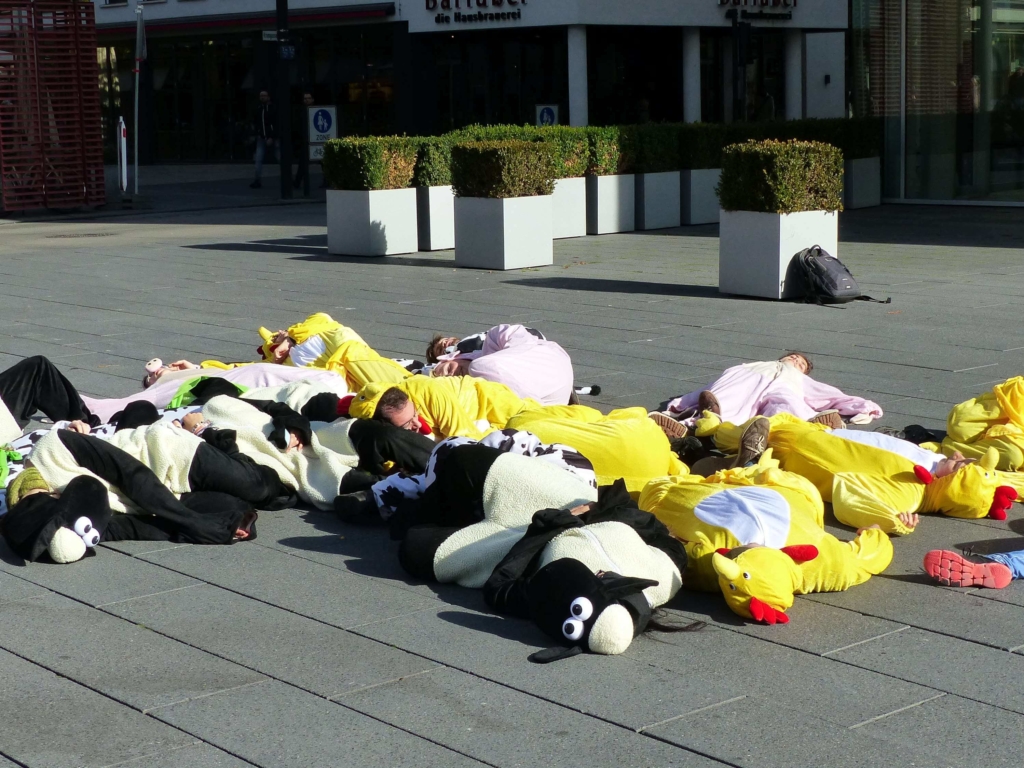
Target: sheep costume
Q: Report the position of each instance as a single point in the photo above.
(589, 581)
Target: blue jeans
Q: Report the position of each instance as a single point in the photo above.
(1013, 560)
(261, 152)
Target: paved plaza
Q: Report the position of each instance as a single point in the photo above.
(310, 647)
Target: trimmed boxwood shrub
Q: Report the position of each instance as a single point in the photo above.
(433, 161)
(372, 162)
(503, 169)
(571, 148)
(781, 177)
(612, 150)
(657, 147)
(701, 144)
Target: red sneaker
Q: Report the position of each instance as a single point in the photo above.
(953, 570)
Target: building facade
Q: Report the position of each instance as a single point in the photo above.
(427, 66)
(947, 79)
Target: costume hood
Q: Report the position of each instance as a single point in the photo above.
(65, 527)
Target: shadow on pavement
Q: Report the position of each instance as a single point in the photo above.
(622, 286)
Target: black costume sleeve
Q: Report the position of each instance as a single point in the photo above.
(284, 419)
(377, 443)
(225, 440)
(322, 407)
(505, 590)
(615, 504)
(136, 481)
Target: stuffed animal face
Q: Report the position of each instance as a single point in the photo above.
(585, 611)
(758, 582)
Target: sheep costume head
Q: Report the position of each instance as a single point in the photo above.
(585, 611)
(65, 528)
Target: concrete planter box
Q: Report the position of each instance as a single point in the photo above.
(510, 233)
(862, 183)
(755, 249)
(569, 208)
(611, 204)
(435, 215)
(698, 196)
(657, 200)
(378, 222)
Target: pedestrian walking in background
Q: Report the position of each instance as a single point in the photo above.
(265, 124)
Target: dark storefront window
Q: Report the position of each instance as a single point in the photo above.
(198, 95)
(762, 76)
(488, 77)
(635, 74)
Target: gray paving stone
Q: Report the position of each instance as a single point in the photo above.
(53, 722)
(757, 731)
(277, 643)
(502, 727)
(125, 662)
(945, 663)
(917, 602)
(105, 577)
(192, 756)
(324, 593)
(273, 724)
(13, 588)
(621, 689)
(966, 732)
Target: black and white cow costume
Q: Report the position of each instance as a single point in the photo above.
(589, 579)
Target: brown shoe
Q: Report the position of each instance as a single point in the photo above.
(708, 402)
(669, 426)
(830, 419)
(753, 442)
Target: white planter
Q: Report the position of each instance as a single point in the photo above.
(698, 196)
(435, 214)
(611, 204)
(862, 182)
(755, 249)
(371, 223)
(569, 208)
(510, 233)
(657, 200)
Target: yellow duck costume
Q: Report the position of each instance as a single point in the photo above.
(992, 420)
(624, 444)
(459, 406)
(757, 534)
(322, 342)
(869, 485)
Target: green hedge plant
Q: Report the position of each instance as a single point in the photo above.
(370, 163)
(657, 147)
(781, 177)
(612, 150)
(433, 161)
(571, 149)
(503, 169)
(700, 145)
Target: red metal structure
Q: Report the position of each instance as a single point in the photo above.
(51, 148)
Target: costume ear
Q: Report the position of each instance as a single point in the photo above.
(1001, 501)
(801, 553)
(990, 459)
(761, 611)
(923, 474)
(725, 567)
(555, 654)
(622, 586)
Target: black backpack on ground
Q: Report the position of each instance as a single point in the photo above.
(824, 279)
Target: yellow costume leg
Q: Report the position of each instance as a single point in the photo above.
(361, 364)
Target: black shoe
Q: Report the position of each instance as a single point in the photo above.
(356, 480)
(256, 184)
(358, 508)
(689, 449)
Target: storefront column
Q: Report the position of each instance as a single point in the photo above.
(794, 74)
(691, 74)
(578, 101)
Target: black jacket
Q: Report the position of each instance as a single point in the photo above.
(265, 121)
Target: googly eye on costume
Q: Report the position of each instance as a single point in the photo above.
(581, 608)
(746, 575)
(732, 587)
(85, 530)
(573, 629)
